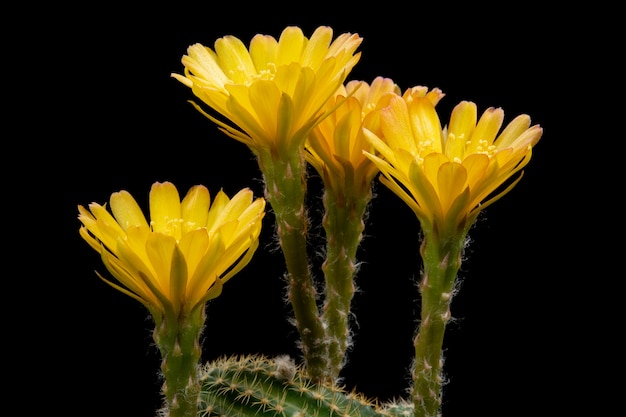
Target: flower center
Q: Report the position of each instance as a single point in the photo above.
(483, 147)
(267, 73)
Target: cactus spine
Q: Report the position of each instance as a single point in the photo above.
(259, 386)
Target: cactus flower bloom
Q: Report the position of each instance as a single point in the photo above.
(335, 146)
(273, 91)
(180, 258)
(448, 175)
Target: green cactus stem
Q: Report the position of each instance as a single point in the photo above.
(285, 189)
(343, 223)
(179, 344)
(260, 386)
(442, 260)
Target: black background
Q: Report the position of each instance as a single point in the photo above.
(108, 116)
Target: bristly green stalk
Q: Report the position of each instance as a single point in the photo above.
(343, 224)
(442, 259)
(178, 340)
(285, 189)
(258, 386)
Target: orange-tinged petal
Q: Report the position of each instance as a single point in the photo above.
(486, 130)
(476, 167)
(512, 131)
(424, 193)
(426, 126)
(462, 124)
(451, 182)
(396, 126)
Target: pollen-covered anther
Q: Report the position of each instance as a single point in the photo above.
(264, 74)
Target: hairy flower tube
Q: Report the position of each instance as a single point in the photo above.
(274, 90)
(446, 176)
(173, 264)
(335, 149)
(269, 96)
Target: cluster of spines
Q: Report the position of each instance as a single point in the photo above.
(259, 386)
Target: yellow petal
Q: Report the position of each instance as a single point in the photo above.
(263, 51)
(317, 47)
(126, 210)
(462, 124)
(451, 182)
(178, 279)
(425, 125)
(512, 131)
(160, 249)
(290, 46)
(486, 130)
(234, 59)
(396, 126)
(194, 245)
(195, 208)
(264, 98)
(165, 212)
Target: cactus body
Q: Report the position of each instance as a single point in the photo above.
(260, 386)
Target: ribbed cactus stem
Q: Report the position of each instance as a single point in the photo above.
(179, 345)
(258, 386)
(343, 224)
(285, 189)
(442, 260)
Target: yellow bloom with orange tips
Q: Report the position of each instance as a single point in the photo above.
(179, 259)
(448, 175)
(335, 146)
(273, 91)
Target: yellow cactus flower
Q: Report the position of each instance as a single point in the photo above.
(335, 146)
(448, 175)
(181, 258)
(273, 92)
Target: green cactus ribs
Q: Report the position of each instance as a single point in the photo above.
(259, 386)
